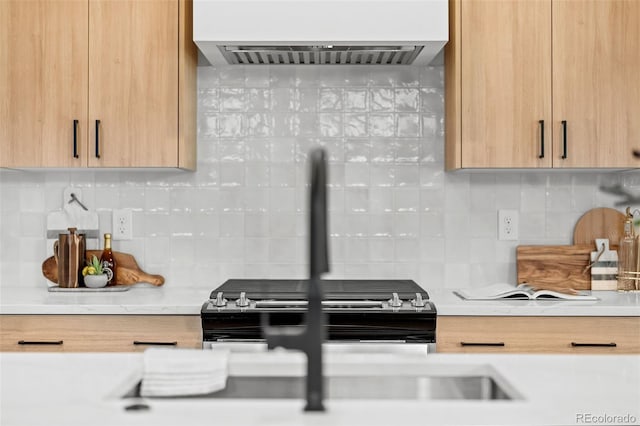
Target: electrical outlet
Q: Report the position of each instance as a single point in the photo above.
(122, 224)
(507, 225)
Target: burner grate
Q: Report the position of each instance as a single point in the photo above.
(372, 290)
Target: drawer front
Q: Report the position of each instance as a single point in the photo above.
(98, 333)
(595, 335)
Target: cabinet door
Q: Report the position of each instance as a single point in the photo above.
(505, 83)
(133, 80)
(575, 335)
(98, 333)
(43, 83)
(596, 82)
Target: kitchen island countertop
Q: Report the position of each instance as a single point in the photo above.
(79, 389)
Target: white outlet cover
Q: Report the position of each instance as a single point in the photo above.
(508, 225)
(122, 224)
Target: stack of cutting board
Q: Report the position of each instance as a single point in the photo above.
(566, 267)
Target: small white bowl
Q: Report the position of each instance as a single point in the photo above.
(96, 281)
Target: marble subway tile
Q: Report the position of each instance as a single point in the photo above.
(383, 150)
(357, 151)
(355, 99)
(331, 125)
(381, 226)
(231, 125)
(182, 226)
(257, 250)
(382, 175)
(407, 175)
(331, 99)
(282, 225)
(356, 200)
(258, 99)
(355, 125)
(232, 99)
(407, 99)
(406, 225)
(283, 150)
(356, 225)
(356, 175)
(381, 200)
(382, 99)
(260, 125)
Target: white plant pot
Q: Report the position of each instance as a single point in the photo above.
(96, 281)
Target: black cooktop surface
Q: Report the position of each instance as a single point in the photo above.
(332, 289)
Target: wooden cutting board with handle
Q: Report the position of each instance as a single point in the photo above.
(602, 222)
(557, 268)
(129, 272)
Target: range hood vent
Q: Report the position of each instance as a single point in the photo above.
(320, 55)
(320, 32)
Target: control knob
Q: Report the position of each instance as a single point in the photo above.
(418, 302)
(395, 301)
(243, 301)
(220, 301)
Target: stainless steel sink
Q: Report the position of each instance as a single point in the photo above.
(364, 387)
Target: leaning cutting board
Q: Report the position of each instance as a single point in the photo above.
(602, 222)
(128, 270)
(554, 267)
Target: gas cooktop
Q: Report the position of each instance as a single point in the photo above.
(378, 290)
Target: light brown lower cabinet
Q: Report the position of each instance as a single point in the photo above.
(576, 335)
(98, 333)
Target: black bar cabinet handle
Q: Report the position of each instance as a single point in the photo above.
(75, 139)
(580, 345)
(139, 342)
(481, 343)
(97, 138)
(541, 139)
(40, 342)
(564, 139)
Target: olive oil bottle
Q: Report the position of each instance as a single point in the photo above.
(108, 260)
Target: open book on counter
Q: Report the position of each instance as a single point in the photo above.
(522, 291)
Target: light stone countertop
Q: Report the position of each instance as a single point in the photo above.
(610, 303)
(171, 300)
(141, 299)
(79, 389)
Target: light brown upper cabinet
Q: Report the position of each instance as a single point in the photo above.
(97, 83)
(545, 83)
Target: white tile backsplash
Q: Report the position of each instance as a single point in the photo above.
(394, 212)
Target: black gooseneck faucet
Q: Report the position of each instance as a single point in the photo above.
(310, 336)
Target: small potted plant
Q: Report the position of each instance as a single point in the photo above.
(96, 275)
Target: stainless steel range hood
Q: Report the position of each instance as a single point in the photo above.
(320, 32)
(320, 55)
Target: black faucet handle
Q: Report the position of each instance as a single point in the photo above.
(318, 231)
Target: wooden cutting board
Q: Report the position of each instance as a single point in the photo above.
(554, 267)
(129, 272)
(602, 222)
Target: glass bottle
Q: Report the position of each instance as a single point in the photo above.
(636, 275)
(627, 257)
(107, 259)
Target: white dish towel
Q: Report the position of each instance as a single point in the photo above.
(181, 372)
